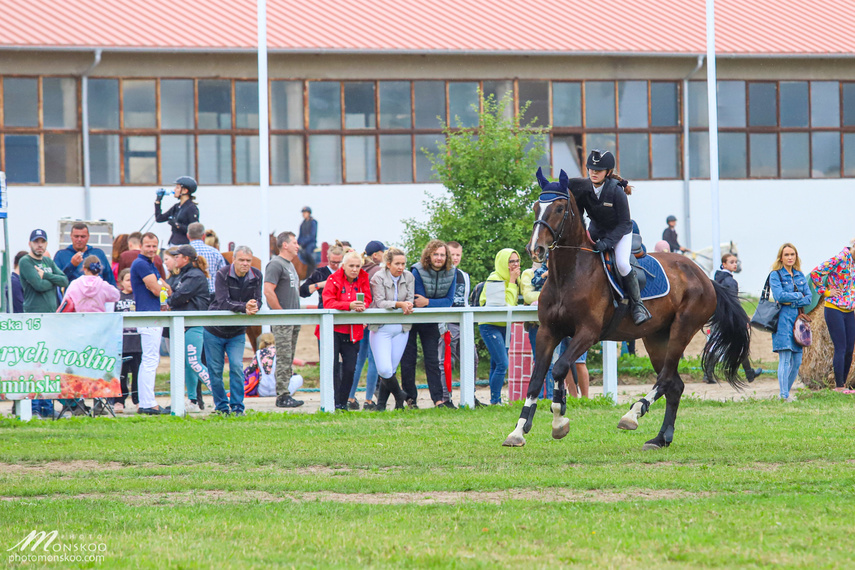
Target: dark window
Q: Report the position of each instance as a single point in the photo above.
(731, 104)
(763, 105)
(324, 105)
(22, 159)
(176, 104)
(824, 104)
(430, 104)
(463, 104)
(140, 160)
(396, 158)
(664, 105)
(104, 103)
(104, 151)
(246, 105)
(62, 158)
(666, 152)
(567, 104)
(21, 102)
(429, 143)
(764, 155)
(246, 159)
(178, 157)
(395, 108)
(794, 104)
(599, 104)
(359, 105)
(795, 155)
(538, 93)
(215, 106)
(634, 156)
(138, 104)
(731, 155)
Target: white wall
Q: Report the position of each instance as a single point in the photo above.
(759, 215)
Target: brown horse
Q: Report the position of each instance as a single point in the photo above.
(253, 332)
(577, 301)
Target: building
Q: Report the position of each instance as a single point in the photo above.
(358, 89)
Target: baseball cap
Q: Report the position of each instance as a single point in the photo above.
(373, 247)
(187, 251)
(306, 209)
(36, 234)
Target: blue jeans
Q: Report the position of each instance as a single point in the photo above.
(371, 376)
(494, 338)
(841, 329)
(788, 368)
(215, 350)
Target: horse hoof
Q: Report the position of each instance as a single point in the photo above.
(562, 430)
(514, 441)
(652, 444)
(628, 422)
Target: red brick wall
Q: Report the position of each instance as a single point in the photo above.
(520, 363)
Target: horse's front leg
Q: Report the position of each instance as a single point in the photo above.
(544, 347)
(565, 364)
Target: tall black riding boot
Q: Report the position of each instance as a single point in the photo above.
(395, 389)
(640, 314)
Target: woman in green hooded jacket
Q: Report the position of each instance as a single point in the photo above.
(501, 289)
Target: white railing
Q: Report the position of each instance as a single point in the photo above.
(328, 318)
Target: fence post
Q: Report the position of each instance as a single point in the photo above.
(610, 353)
(176, 365)
(326, 363)
(25, 409)
(467, 359)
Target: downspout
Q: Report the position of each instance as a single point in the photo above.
(687, 210)
(87, 183)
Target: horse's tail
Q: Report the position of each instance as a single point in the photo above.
(728, 344)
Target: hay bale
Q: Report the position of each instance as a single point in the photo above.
(816, 371)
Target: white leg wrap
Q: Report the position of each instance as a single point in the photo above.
(518, 431)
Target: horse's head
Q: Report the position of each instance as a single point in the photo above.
(550, 214)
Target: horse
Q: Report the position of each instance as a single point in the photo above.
(577, 301)
(253, 332)
(703, 257)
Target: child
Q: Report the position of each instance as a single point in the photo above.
(131, 346)
(259, 378)
(670, 235)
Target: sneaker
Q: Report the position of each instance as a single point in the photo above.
(119, 408)
(352, 405)
(284, 401)
(190, 407)
(155, 411)
(370, 406)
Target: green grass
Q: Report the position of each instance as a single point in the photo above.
(749, 484)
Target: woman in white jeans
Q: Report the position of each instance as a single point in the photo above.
(391, 288)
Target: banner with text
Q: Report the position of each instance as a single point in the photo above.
(70, 355)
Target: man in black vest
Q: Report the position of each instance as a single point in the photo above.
(435, 279)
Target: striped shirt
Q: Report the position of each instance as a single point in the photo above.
(213, 257)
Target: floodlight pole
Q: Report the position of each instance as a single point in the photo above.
(712, 108)
(263, 135)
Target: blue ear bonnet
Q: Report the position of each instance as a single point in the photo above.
(551, 191)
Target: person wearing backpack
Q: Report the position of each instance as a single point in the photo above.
(501, 289)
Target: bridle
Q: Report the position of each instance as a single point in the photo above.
(568, 213)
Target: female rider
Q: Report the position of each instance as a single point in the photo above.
(611, 224)
(182, 214)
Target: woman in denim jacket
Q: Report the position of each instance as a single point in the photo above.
(790, 288)
(835, 283)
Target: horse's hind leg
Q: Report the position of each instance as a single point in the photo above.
(657, 348)
(545, 345)
(672, 399)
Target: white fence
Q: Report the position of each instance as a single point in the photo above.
(467, 317)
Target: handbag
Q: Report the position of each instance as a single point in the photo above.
(765, 318)
(67, 306)
(801, 329)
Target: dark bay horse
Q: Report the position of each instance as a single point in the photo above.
(577, 301)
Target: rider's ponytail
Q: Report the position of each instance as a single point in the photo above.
(621, 182)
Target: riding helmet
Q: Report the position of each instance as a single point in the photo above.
(670, 219)
(600, 160)
(187, 182)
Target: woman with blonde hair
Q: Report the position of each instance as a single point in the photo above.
(790, 289)
(834, 280)
(391, 288)
(348, 289)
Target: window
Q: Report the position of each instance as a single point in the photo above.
(361, 153)
(395, 108)
(139, 108)
(567, 104)
(246, 104)
(286, 102)
(21, 102)
(762, 104)
(176, 104)
(632, 104)
(430, 104)
(359, 105)
(599, 104)
(463, 104)
(324, 105)
(538, 93)
(215, 104)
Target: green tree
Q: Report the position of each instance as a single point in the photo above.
(488, 174)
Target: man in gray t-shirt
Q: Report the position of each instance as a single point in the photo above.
(282, 291)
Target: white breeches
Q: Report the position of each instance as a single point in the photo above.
(387, 345)
(623, 250)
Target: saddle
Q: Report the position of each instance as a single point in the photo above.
(638, 252)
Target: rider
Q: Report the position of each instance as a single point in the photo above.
(182, 214)
(611, 225)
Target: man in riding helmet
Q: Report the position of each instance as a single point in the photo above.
(182, 214)
(611, 225)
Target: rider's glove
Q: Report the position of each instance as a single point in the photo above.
(160, 193)
(601, 245)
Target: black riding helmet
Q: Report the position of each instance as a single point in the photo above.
(187, 182)
(600, 160)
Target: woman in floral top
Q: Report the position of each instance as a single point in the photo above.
(834, 281)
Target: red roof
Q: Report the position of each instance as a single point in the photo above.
(743, 27)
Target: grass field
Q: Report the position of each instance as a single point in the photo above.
(750, 484)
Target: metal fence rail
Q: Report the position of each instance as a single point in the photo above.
(467, 317)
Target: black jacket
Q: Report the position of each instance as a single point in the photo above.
(230, 294)
(609, 214)
(318, 275)
(670, 235)
(190, 292)
(179, 217)
(727, 281)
